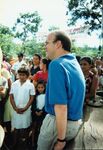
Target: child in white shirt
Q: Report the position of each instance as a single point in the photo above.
(21, 97)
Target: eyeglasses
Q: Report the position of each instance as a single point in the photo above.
(46, 43)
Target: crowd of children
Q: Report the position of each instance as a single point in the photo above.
(22, 93)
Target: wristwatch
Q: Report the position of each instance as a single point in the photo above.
(61, 140)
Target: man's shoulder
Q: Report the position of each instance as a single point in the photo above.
(55, 62)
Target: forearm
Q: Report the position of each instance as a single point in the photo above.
(14, 72)
(12, 102)
(61, 120)
(35, 83)
(93, 89)
(29, 102)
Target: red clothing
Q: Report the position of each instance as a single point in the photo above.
(40, 75)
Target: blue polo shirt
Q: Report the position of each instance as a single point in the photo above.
(66, 85)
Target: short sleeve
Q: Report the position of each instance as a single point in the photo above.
(32, 89)
(12, 89)
(57, 84)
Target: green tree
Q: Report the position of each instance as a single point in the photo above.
(26, 25)
(6, 41)
(53, 28)
(5, 30)
(8, 46)
(31, 47)
(90, 11)
(85, 51)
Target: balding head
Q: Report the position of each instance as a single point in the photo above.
(61, 36)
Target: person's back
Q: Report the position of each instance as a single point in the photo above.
(73, 82)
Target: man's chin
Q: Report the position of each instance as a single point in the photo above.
(49, 56)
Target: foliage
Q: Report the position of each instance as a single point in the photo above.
(5, 30)
(6, 40)
(85, 51)
(31, 47)
(26, 25)
(53, 28)
(88, 10)
(8, 46)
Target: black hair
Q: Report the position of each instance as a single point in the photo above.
(46, 62)
(40, 82)
(20, 54)
(38, 55)
(66, 43)
(4, 57)
(88, 59)
(24, 69)
(78, 58)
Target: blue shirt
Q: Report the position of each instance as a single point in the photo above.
(66, 85)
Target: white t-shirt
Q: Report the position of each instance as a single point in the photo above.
(21, 95)
(22, 92)
(40, 101)
(17, 65)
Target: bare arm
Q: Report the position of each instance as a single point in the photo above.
(35, 83)
(29, 103)
(12, 102)
(14, 72)
(61, 122)
(94, 86)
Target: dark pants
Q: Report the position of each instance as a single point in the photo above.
(1, 112)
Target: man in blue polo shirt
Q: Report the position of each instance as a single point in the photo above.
(64, 95)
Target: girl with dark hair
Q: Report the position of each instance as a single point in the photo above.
(38, 112)
(36, 65)
(21, 97)
(43, 74)
(91, 78)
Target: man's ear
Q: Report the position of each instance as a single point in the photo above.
(58, 44)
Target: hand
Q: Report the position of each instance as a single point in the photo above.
(20, 110)
(38, 113)
(59, 145)
(30, 77)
